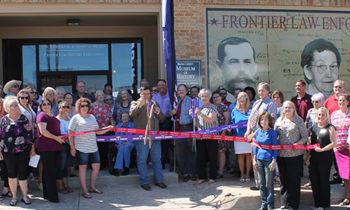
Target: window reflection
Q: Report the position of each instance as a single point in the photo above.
(73, 57)
(126, 65)
(29, 64)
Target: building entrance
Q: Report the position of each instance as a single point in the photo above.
(64, 62)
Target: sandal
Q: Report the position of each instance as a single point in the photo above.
(242, 180)
(345, 202)
(247, 180)
(26, 201)
(13, 202)
(96, 191)
(86, 195)
(201, 181)
(211, 181)
(8, 194)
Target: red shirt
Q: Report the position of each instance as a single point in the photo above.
(227, 102)
(302, 105)
(332, 104)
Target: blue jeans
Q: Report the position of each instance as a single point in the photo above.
(64, 159)
(87, 158)
(266, 184)
(142, 154)
(123, 155)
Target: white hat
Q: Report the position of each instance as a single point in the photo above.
(9, 84)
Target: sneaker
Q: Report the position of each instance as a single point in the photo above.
(161, 185)
(254, 188)
(125, 171)
(335, 181)
(146, 187)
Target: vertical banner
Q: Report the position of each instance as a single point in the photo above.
(247, 46)
(169, 48)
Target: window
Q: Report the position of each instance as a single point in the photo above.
(73, 57)
(29, 64)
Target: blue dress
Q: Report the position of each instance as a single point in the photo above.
(237, 117)
(124, 150)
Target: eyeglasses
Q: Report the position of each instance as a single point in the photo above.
(155, 90)
(321, 69)
(108, 99)
(24, 98)
(14, 105)
(82, 106)
(65, 107)
(46, 104)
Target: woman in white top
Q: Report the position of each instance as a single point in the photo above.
(23, 98)
(85, 146)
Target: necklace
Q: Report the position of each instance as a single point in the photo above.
(263, 133)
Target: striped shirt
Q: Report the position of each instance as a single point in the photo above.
(87, 142)
(202, 124)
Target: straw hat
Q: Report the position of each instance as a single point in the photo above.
(9, 84)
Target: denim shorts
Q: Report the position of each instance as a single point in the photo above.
(87, 158)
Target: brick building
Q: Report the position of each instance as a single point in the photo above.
(57, 42)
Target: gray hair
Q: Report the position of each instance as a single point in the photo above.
(265, 85)
(60, 89)
(98, 92)
(8, 100)
(119, 97)
(318, 97)
(204, 90)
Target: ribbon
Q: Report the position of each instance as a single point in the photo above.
(159, 135)
(194, 105)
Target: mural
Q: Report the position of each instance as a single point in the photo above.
(280, 47)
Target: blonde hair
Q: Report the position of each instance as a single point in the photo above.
(288, 103)
(247, 105)
(325, 110)
(8, 100)
(46, 91)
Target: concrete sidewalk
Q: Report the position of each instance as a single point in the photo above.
(125, 193)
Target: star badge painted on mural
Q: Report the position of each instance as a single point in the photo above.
(214, 22)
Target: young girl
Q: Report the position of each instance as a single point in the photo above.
(124, 147)
(265, 160)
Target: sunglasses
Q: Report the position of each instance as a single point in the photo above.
(82, 106)
(65, 107)
(24, 98)
(223, 94)
(15, 86)
(154, 90)
(46, 104)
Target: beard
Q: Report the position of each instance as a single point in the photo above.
(239, 83)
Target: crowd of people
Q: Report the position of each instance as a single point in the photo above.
(37, 124)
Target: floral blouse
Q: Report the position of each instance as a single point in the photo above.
(221, 109)
(15, 136)
(103, 114)
(118, 109)
(342, 123)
